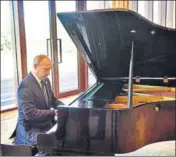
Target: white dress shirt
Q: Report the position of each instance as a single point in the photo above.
(38, 79)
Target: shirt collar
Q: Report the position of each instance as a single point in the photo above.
(37, 78)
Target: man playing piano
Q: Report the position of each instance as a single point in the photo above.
(35, 98)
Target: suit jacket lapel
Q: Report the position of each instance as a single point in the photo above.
(37, 84)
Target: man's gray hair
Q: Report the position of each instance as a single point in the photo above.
(39, 58)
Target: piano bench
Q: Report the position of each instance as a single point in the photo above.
(17, 150)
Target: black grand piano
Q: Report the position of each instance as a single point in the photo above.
(133, 102)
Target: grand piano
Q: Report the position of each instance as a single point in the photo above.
(133, 101)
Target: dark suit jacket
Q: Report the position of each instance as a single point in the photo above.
(34, 115)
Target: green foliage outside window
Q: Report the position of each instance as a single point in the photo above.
(5, 43)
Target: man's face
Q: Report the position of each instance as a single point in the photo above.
(43, 69)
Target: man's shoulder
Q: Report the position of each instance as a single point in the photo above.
(26, 81)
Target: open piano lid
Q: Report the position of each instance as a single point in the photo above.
(104, 39)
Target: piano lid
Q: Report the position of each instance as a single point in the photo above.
(104, 39)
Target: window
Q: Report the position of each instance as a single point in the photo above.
(36, 18)
(68, 69)
(8, 63)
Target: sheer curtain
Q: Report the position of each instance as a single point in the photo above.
(93, 5)
(159, 12)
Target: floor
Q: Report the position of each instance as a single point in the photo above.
(164, 148)
(9, 119)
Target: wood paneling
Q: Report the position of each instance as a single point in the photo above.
(124, 4)
(144, 125)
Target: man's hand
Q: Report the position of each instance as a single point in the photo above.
(55, 112)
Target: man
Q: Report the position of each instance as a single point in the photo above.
(35, 98)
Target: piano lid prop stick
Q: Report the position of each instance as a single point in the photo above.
(130, 84)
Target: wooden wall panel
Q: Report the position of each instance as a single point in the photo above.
(124, 4)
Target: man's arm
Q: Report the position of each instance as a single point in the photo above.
(55, 101)
(29, 109)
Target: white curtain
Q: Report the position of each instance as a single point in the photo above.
(159, 12)
(93, 5)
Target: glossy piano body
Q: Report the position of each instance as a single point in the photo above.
(100, 120)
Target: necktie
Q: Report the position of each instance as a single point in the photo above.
(44, 91)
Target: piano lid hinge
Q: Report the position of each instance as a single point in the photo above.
(165, 80)
(137, 79)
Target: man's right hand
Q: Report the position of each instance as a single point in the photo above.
(55, 112)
